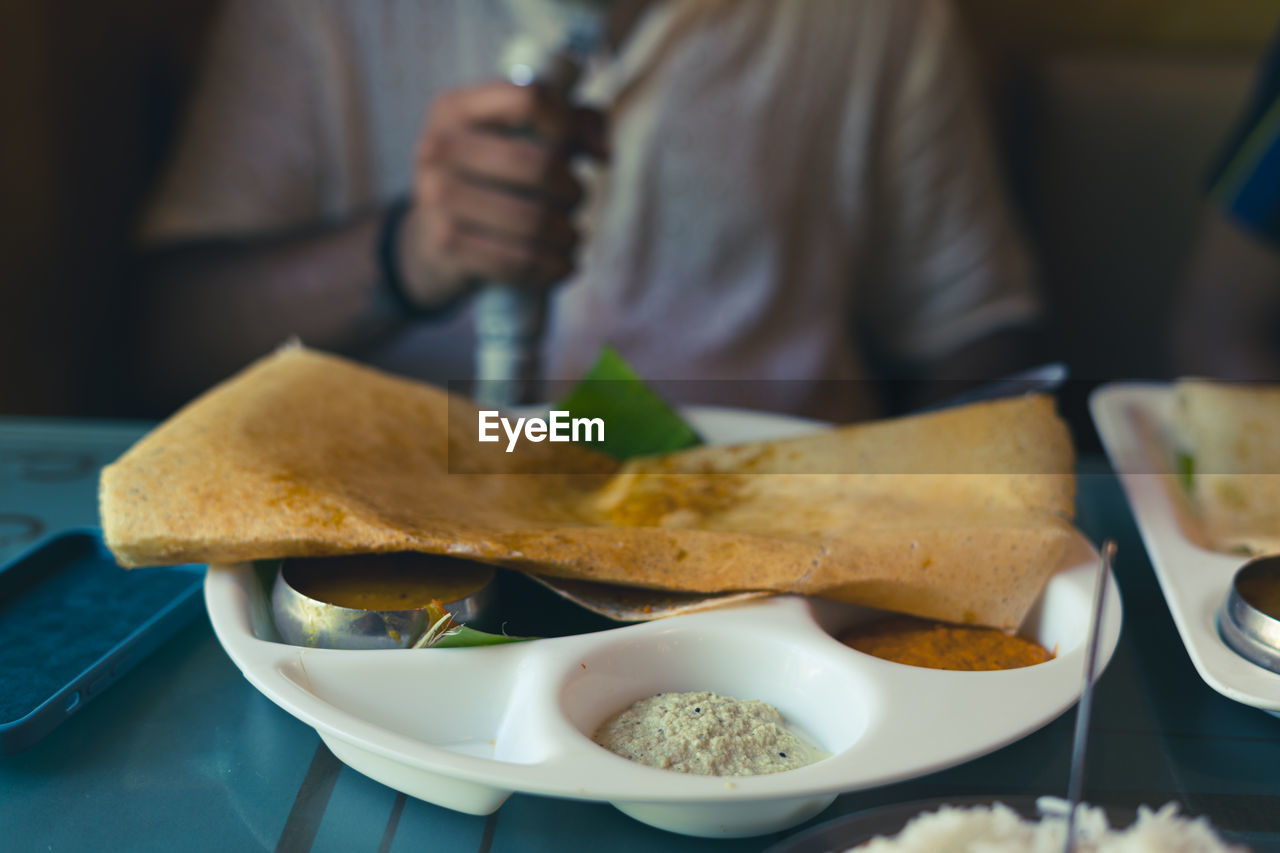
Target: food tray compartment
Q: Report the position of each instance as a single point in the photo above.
(465, 727)
(459, 703)
(823, 696)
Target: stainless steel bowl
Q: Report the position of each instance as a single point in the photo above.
(304, 620)
(1249, 622)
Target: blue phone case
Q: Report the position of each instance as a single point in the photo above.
(72, 622)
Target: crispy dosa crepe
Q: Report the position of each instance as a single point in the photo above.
(1232, 432)
(958, 515)
(637, 604)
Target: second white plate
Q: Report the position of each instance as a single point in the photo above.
(1133, 421)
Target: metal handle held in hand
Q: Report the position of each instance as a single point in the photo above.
(509, 325)
(510, 319)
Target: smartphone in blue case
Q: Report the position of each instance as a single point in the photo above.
(72, 622)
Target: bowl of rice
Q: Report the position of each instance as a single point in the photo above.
(1015, 824)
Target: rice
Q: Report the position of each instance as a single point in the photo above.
(999, 829)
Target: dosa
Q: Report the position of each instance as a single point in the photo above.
(958, 515)
(1232, 432)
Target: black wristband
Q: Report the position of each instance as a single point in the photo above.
(388, 258)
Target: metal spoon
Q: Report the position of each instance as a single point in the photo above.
(1080, 742)
(1040, 379)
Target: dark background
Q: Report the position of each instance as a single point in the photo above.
(1109, 111)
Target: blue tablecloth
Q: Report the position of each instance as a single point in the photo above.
(183, 754)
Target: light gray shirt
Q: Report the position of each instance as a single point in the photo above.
(789, 180)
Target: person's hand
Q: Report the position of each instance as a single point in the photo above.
(493, 190)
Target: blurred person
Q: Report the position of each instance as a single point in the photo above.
(1227, 317)
(794, 191)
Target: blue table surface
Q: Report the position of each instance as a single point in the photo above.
(183, 754)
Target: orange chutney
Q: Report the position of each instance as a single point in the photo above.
(938, 645)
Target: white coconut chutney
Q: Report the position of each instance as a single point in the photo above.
(705, 734)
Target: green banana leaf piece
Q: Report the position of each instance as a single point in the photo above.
(637, 421)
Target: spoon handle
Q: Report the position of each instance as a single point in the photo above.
(1042, 379)
(1080, 743)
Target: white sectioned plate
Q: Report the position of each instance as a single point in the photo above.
(1133, 420)
(464, 728)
